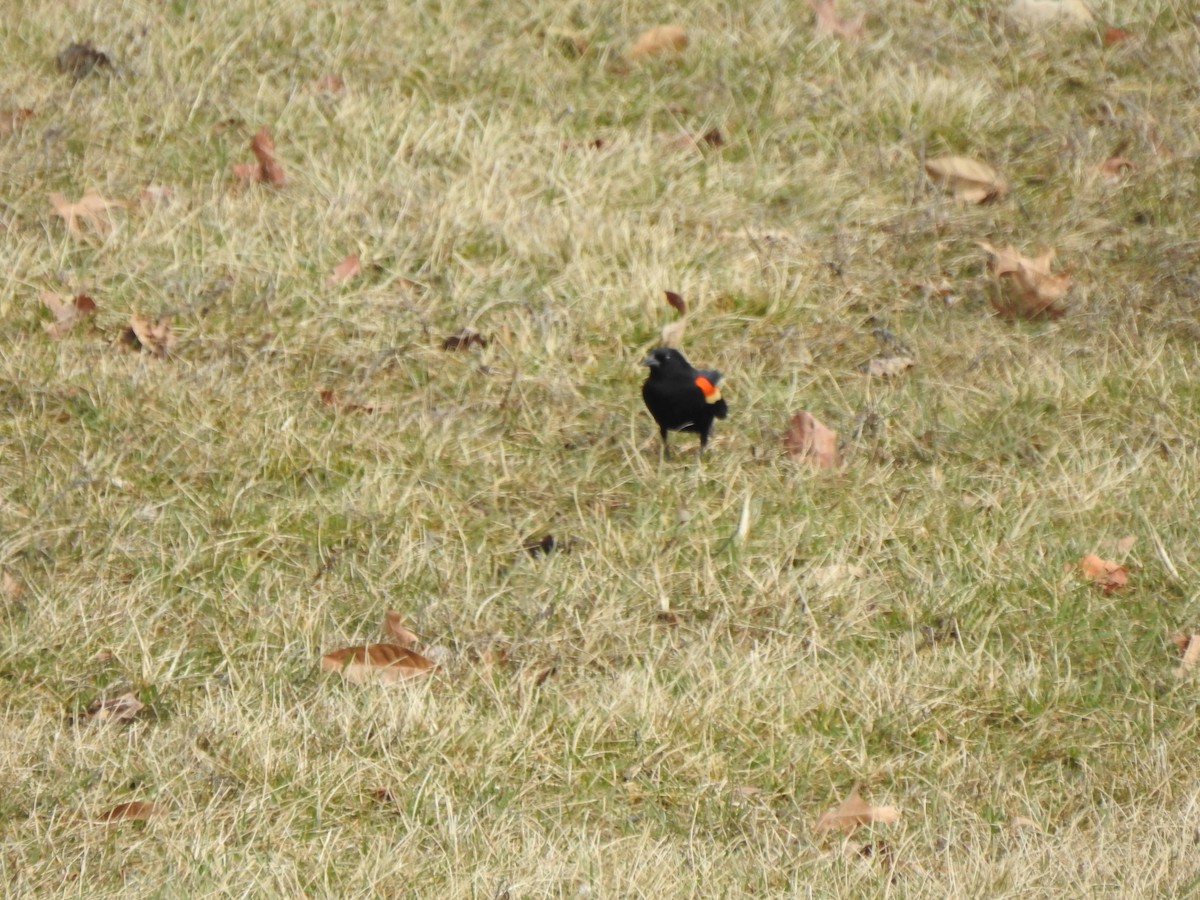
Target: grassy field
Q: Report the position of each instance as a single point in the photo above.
(717, 650)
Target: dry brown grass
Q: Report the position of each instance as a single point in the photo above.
(731, 645)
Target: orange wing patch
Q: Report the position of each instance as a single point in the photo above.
(711, 394)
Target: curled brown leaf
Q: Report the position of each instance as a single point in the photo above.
(382, 663)
(659, 41)
(854, 812)
(808, 440)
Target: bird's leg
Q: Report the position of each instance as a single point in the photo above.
(666, 451)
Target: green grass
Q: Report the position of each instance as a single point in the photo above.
(727, 646)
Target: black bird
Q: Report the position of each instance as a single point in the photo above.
(681, 398)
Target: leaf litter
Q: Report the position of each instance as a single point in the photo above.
(808, 440)
(68, 312)
(91, 210)
(1028, 288)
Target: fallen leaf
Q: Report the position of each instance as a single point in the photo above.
(1028, 288)
(329, 84)
(464, 339)
(123, 708)
(1191, 655)
(1070, 13)
(659, 40)
(78, 60)
(151, 335)
(854, 812)
(492, 656)
(396, 630)
(672, 334)
(829, 22)
(265, 167)
(889, 366)
(677, 302)
(131, 811)
(90, 209)
(383, 795)
(969, 180)
(809, 440)
(329, 398)
(67, 311)
(383, 663)
(348, 268)
(11, 119)
(1024, 822)
(1114, 35)
(1108, 575)
(9, 586)
(1116, 167)
(264, 151)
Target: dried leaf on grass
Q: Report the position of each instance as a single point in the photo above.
(969, 180)
(672, 333)
(67, 311)
(889, 366)
(329, 84)
(1191, 653)
(91, 209)
(348, 268)
(10, 588)
(464, 339)
(1024, 822)
(808, 440)
(394, 627)
(330, 398)
(134, 810)
(1114, 35)
(382, 663)
(1106, 574)
(829, 22)
(1040, 13)
(266, 167)
(657, 41)
(122, 708)
(154, 336)
(1028, 288)
(854, 812)
(1116, 167)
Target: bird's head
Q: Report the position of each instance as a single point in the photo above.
(663, 358)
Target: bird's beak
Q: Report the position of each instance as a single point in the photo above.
(650, 361)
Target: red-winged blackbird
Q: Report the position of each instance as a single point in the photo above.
(681, 398)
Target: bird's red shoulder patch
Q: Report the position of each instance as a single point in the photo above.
(711, 394)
